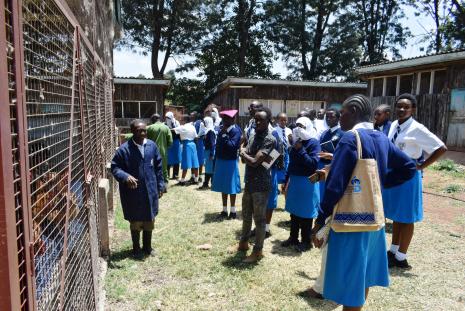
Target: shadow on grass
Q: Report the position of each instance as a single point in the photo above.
(121, 255)
(304, 275)
(215, 217)
(317, 304)
(285, 224)
(284, 251)
(402, 273)
(235, 262)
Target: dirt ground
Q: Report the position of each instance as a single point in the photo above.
(183, 277)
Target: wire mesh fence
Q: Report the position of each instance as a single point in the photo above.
(62, 135)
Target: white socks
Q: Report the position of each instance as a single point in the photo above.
(267, 227)
(394, 248)
(196, 179)
(401, 256)
(182, 179)
(233, 209)
(225, 209)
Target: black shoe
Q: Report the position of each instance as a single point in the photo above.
(289, 242)
(203, 187)
(391, 256)
(137, 254)
(223, 215)
(192, 182)
(181, 183)
(200, 179)
(149, 252)
(303, 247)
(402, 264)
(252, 233)
(267, 234)
(232, 216)
(147, 243)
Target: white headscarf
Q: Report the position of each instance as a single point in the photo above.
(170, 120)
(306, 132)
(209, 124)
(216, 117)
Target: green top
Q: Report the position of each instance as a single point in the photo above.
(161, 135)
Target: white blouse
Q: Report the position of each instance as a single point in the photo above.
(414, 138)
(186, 131)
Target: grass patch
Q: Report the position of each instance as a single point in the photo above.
(449, 167)
(453, 188)
(184, 278)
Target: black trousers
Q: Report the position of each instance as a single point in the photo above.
(304, 225)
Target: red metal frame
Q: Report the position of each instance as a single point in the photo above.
(9, 284)
(23, 145)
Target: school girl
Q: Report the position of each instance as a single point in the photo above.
(174, 152)
(357, 261)
(189, 152)
(226, 178)
(210, 144)
(404, 204)
(200, 144)
(302, 196)
(382, 116)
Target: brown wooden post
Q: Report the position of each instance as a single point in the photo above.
(9, 276)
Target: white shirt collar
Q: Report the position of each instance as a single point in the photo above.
(364, 125)
(143, 143)
(334, 128)
(406, 124)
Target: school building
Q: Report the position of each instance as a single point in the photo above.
(280, 95)
(138, 98)
(437, 80)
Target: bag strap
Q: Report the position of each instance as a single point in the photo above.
(359, 144)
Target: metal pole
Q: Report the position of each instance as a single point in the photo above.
(23, 148)
(9, 275)
(70, 169)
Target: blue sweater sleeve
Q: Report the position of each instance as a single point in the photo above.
(309, 155)
(118, 166)
(158, 167)
(342, 166)
(233, 140)
(400, 167)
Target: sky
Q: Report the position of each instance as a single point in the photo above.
(130, 64)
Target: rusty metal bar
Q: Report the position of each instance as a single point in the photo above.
(23, 145)
(70, 169)
(9, 284)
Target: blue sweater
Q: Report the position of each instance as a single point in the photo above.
(394, 166)
(210, 141)
(386, 127)
(329, 141)
(304, 162)
(228, 144)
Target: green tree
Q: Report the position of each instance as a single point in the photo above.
(162, 28)
(187, 92)
(454, 28)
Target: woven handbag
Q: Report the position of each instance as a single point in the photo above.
(361, 207)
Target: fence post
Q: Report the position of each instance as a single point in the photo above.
(103, 206)
(111, 182)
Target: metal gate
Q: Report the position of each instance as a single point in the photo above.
(60, 127)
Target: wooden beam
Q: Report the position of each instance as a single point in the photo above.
(431, 82)
(384, 85)
(418, 83)
(398, 86)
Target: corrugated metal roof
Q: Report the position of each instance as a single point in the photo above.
(413, 62)
(146, 81)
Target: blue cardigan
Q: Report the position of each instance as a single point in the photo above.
(386, 127)
(394, 166)
(328, 140)
(140, 204)
(304, 162)
(228, 144)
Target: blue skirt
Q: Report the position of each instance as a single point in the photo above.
(209, 163)
(404, 203)
(303, 197)
(200, 151)
(322, 183)
(355, 261)
(281, 174)
(189, 155)
(273, 196)
(174, 152)
(226, 178)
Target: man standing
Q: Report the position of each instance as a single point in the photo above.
(161, 135)
(257, 184)
(137, 166)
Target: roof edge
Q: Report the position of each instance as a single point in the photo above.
(166, 83)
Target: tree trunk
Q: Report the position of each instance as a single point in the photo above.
(438, 42)
(303, 41)
(321, 23)
(244, 19)
(158, 8)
